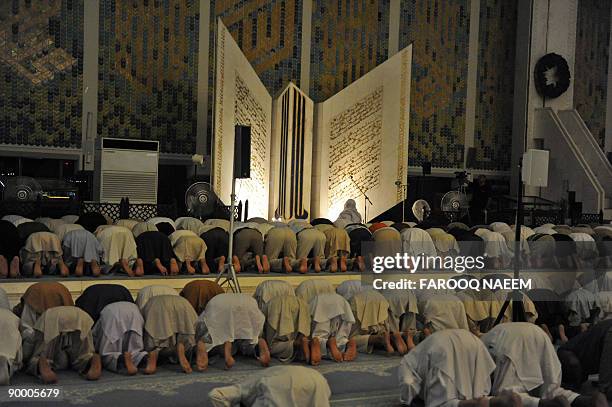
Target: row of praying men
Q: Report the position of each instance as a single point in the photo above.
(89, 244)
(106, 328)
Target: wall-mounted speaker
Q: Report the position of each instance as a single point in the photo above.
(535, 168)
(242, 152)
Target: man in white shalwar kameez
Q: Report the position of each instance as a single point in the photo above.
(118, 337)
(332, 321)
(279, 386)
(233, 323)
(287, 328)
(451, 368)
(443, 311)
(527, 364)
(267, 290)
(10, 346)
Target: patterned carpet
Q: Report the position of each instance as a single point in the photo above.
(371, 380)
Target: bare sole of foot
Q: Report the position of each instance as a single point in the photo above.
(14, 268)
(221, 264)
(236, 264)
(204, 267)
(260, 269)
(409, 340)
(189, 267)
(360, 262)
(37, 269)
(95, 268)
(303, 267)
(174, 267)
(47, 375)
(264, 352)
(95, 368)
(265, 264)
(180, 354)
(129, 364)
(227, 354)
(287, 265)
(333, 264)
(332, 347)
(126, 267)
(80, 266)
(343, 267)
(399, 343)
(316, 265)
(201, 357)
(139, 269)
(64, 271)
(160, 267)
(4, 269)
(305, 346)
(315, 352)
(388, 347)
(351, 351)
(151, 367)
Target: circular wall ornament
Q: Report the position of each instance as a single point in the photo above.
(552, 75)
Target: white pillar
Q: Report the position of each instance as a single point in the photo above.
(472, 78)
(91, 20)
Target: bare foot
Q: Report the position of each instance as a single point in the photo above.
(264, 352)
(305, 346)
(265, 263)
(562, 334)
(359, 264)
(343, 267)
(260, 269)
(315, 352)
(47, 375)
(351, 351)
(189, 267)
(387, 340)
(201, 357)
(227, 354)
(221, 264)
(80, 266)
(125, 266)
(174, 267)
(316, 264)
(409, 342)
(129, 364)
(204, 267)
(151, 363)
(139, 269)
(236, 264)
(333, 264)
(399, 343)
(547, 331)
(14, 268)
(64, 271)
(332, 347)
(287, 265)
(37, 269)
(427, 331)
(4, 272)
(303, 267)
(160, 267)
(558, 401)
(95, 368)
(180, 354)
(95, 268)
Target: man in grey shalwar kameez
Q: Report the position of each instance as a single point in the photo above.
(10, 346)
(332, 321)
(63, 339)
(232, 323)
(451, 368)
(81, 247)
(278, 386)
(118, 337)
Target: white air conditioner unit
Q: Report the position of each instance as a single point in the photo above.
(127, 168)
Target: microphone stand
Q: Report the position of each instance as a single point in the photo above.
(365, 201)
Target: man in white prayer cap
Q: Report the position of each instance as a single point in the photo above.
(278, 386)
(451, 368)
(528, 365)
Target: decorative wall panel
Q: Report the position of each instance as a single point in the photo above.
(361, 140)
(241, 99)
(439, 33)
(41, 71)
(349, 38)
(591, 69)
(148, 71)
(495, 84)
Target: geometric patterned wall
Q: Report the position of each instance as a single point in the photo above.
(591, 70)
(348, 40)
(495, 84)
(41, 68)
(148, 65)
(439, 32)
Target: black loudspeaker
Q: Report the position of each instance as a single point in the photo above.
(426, 166)
(242, 152)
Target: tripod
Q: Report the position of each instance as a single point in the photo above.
(365, 200)
(228, 274)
